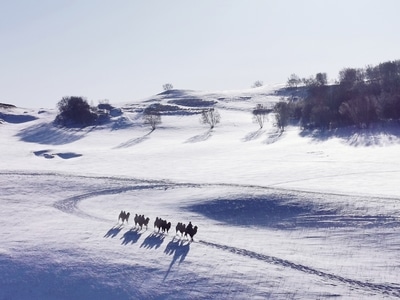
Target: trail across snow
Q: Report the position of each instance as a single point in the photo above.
(292, 215)
(223, 252)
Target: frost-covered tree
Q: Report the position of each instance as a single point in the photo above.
(281, 110)
(293, 81)
(260, 114)
(360, 110)
(257, 84)
(168, 86)
(151, 117)
(210, 117)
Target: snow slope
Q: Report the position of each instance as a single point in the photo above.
(280, 216)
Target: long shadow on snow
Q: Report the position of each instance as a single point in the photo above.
(253, 135)
(48, 134)
(47, 280)
(200, 138)
(378, 135)
(273, 211)
(179, 249)
(153, 240)
(113, 232)
(131, 237)
(134, 141)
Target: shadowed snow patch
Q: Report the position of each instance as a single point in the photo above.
(273, 211)
(16, 119)
(48, 154)
(47, 133)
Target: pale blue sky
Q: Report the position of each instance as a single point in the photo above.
(125, 50)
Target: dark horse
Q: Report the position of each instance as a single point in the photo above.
(124, 216)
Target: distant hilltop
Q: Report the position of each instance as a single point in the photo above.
(5, 105)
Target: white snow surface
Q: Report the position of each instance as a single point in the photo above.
(297, 215)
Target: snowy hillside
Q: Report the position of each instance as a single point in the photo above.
(298, 215)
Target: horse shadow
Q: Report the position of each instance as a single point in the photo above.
(153, 240)
(113, 232)
(131, 237)
(179, 249)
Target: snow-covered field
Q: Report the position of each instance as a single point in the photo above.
(280, 216)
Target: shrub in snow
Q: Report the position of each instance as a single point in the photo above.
(75, 111)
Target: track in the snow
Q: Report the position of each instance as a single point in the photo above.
(70, 206)
(386, 289)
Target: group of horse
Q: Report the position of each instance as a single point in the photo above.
(161, 224)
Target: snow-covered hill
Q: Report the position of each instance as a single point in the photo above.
(280, 216)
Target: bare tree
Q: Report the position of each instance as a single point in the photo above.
(321, 79)
(293, 81)
(281, 110)
(210, 117)
(151, 117)
(168, 86)
(350, 77)
(260, 114)
(257, 84)
(362, 111)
